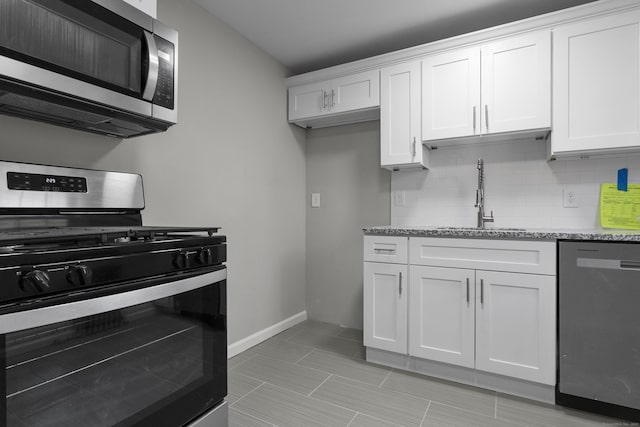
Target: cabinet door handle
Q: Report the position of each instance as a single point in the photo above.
(481, 291)
(324, 100)
(414, 146)
(474, 119)
(400, 284)
(467, 290)
(486, 116)
(333, 98)
(388, 251)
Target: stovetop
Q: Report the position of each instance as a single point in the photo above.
(97, 235)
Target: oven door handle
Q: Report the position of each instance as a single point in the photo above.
(27, 319)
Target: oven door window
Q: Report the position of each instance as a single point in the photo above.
(158, 363)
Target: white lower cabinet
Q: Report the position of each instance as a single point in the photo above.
(386, 292)
(441, 325)
(516, 325)
(385, 306)
(492, 321)
(478, 318)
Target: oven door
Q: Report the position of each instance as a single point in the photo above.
(150, 356)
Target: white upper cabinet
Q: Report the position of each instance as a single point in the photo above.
(596, 100)
(149, 7)
(342, 100)
(516, 83)
(451, 94)
(309, 100)
(503, 86)
(400, 141)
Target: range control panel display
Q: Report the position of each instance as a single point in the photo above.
(36, 182)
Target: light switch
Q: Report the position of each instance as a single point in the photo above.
(315, 200)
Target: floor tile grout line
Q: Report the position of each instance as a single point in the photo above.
(313, 350)
(386, 378)
(243, 362)
(462, 409)
(353, 418)
(254, 417)
(246, 394)
(424, 417)
(249, 392)
(320, 385)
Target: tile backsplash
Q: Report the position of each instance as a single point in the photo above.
(522, 188)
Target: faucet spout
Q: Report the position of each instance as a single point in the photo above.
(482, 218)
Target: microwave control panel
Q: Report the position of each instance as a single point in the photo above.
(164, 95)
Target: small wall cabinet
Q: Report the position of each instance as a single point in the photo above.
(342, 100)
(400, 141)
(597, 64)
(481, 304)
(503, 86)
(385, 293)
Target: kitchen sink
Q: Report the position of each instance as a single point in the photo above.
(497, 229)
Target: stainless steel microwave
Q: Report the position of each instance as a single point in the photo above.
(100, 66)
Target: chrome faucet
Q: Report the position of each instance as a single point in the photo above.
(480, 197)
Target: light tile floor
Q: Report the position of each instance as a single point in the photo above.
(314, 374)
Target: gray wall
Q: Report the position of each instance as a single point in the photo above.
(232, 161)
(343, 165)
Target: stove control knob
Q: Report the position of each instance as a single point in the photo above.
(205, 256)
(181, 260)
(35, 281)
(79, 275)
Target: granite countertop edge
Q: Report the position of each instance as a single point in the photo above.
(515, 234)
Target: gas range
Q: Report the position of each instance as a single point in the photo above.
(109, 321)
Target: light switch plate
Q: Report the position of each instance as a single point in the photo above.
(315, 200)
(399, 198)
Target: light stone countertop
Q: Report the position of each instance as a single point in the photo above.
(505, 233)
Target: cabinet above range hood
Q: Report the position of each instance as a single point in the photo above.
(100, 66)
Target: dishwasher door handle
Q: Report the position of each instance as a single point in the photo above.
(630, 265)
(607, 264)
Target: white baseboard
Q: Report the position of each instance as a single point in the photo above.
(263, 335)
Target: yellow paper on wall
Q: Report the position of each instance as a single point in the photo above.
(620, 209)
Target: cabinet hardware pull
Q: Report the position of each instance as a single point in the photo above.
(389, 251)
(333, 98)
(400, 284)
(414, 146)
(486, 116)
(467, 290)
(324, 102)
(474, 120)
(481, 291)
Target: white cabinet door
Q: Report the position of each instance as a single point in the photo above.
(355, 92)
(596, 74)
(516, 325)
(400, 141)
(441, 325)
(516, 83)
(309, 100)
(451, 94)
(385, 306)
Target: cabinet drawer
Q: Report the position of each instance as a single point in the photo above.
(497, 255)
(390, 249)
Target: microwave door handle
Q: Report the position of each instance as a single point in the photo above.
(152, 72)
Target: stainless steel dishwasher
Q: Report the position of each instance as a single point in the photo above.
(599, 327)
